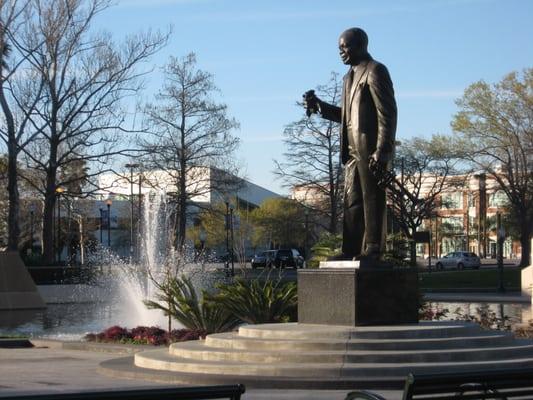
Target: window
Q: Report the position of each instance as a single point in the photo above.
(452, 200)
(498, 199)
(452, 225)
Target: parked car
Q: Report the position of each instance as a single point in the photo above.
(284, 258)
(459, 260)
(263, 259)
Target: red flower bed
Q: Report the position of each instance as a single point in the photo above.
(144, 335)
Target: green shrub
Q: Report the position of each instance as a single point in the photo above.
(178, 298)
(258, 302)
(327, 246)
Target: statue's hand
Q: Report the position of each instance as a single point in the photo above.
(377, 163)
(379, 157)
(310, 102)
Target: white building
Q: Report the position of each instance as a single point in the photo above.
(204, 185)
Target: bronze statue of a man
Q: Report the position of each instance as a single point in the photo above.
(368, 126)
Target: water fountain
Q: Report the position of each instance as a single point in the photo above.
(117, 296)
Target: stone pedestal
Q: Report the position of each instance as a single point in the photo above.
(527, 278)
(357, 296)
(17, 289)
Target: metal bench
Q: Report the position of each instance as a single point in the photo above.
(496, 384)
(232, 392)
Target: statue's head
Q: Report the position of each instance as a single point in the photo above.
(353, 44)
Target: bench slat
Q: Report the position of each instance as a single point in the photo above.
(232, 392)
(504, 384)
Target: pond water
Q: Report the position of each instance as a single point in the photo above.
(73, 321)
(61, 321)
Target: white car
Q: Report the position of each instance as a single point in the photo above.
(459, 260)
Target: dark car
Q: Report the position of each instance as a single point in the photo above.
(284, 258)
(263, 259)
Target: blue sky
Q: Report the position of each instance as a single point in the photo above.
(265, 54)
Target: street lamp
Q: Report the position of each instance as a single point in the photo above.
(32, 214)
(306, 244)
(227, 226)
(232, 243)
(131, 166)
(101, 224)
(203, 237)
(59, 191)
(108, 204)
(500, 237)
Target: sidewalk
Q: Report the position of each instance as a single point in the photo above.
(52, 370)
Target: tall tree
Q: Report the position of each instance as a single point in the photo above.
(425, 169)
(18, 97)
(85, 77)
(190, 138)
(494, 127)
(3, 202)
(312, 161)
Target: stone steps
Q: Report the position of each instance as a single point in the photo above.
(407, 331)
(293, 355)
(198, 350)
(162, 360)
(235, 341)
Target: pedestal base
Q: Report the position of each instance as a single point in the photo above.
(352, 296)
(17, 289)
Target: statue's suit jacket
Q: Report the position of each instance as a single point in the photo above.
(370, 109)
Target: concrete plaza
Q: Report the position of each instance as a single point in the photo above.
(56, 370)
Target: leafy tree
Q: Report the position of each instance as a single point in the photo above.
(190, 137)
(328, 245)
(494, 128)
(213, 222)
(426, 169)
(312, 161)
(279, 222)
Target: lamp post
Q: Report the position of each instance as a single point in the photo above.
(226, 265)
(59, 190)
(32, 214)
(500, 236)
(101, 225)
(232, 243)
(306, 244)
(139, 214)
(131, 166)
(203, 237)
(108, 204)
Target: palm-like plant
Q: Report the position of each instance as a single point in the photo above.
(258, 302)
(177, 297)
